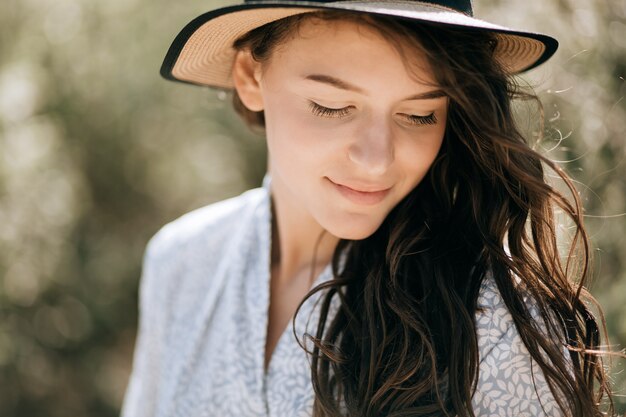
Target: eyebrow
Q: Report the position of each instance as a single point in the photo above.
(344, 85)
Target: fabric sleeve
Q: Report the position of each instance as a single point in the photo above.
(142, 391)
(510, 382)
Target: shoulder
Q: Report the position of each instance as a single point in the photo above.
(204, 225)
(182, 256)
(510, 382)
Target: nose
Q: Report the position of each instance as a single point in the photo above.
(372, 149)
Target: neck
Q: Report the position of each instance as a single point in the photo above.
(301, 247)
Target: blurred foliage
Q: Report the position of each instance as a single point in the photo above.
(97, 152)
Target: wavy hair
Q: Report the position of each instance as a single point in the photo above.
(403, 340)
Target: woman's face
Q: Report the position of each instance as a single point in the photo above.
(349, 131)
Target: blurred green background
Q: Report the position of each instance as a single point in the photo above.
(97, 152)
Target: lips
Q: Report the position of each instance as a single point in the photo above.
(362, 193)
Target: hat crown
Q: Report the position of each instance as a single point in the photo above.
(463, 6)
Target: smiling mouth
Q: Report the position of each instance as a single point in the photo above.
(359, 196)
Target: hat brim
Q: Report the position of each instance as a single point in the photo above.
(202, 53)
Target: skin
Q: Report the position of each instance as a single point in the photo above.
(373, 144)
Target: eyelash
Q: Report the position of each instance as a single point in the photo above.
(326, 112)
(423, 120)
(322, 111)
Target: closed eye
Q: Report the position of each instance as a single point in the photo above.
(322, 111)
(420, 120)
(318, 110)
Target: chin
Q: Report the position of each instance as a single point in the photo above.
(353, 231)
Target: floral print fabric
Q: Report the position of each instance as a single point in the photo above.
(204, 298)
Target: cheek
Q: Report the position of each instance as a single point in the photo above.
(297, 157)
(297, 140)
(415, 154)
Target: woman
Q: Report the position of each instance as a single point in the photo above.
(404, 229)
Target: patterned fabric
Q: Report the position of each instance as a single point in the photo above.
(204, 299)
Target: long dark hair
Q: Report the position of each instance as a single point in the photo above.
(403, 341)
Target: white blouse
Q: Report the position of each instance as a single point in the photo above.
(204, 299)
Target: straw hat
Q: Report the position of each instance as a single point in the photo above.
(202, 53)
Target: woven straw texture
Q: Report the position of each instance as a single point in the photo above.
(207, 55)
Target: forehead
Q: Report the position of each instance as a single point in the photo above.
(353, 46)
